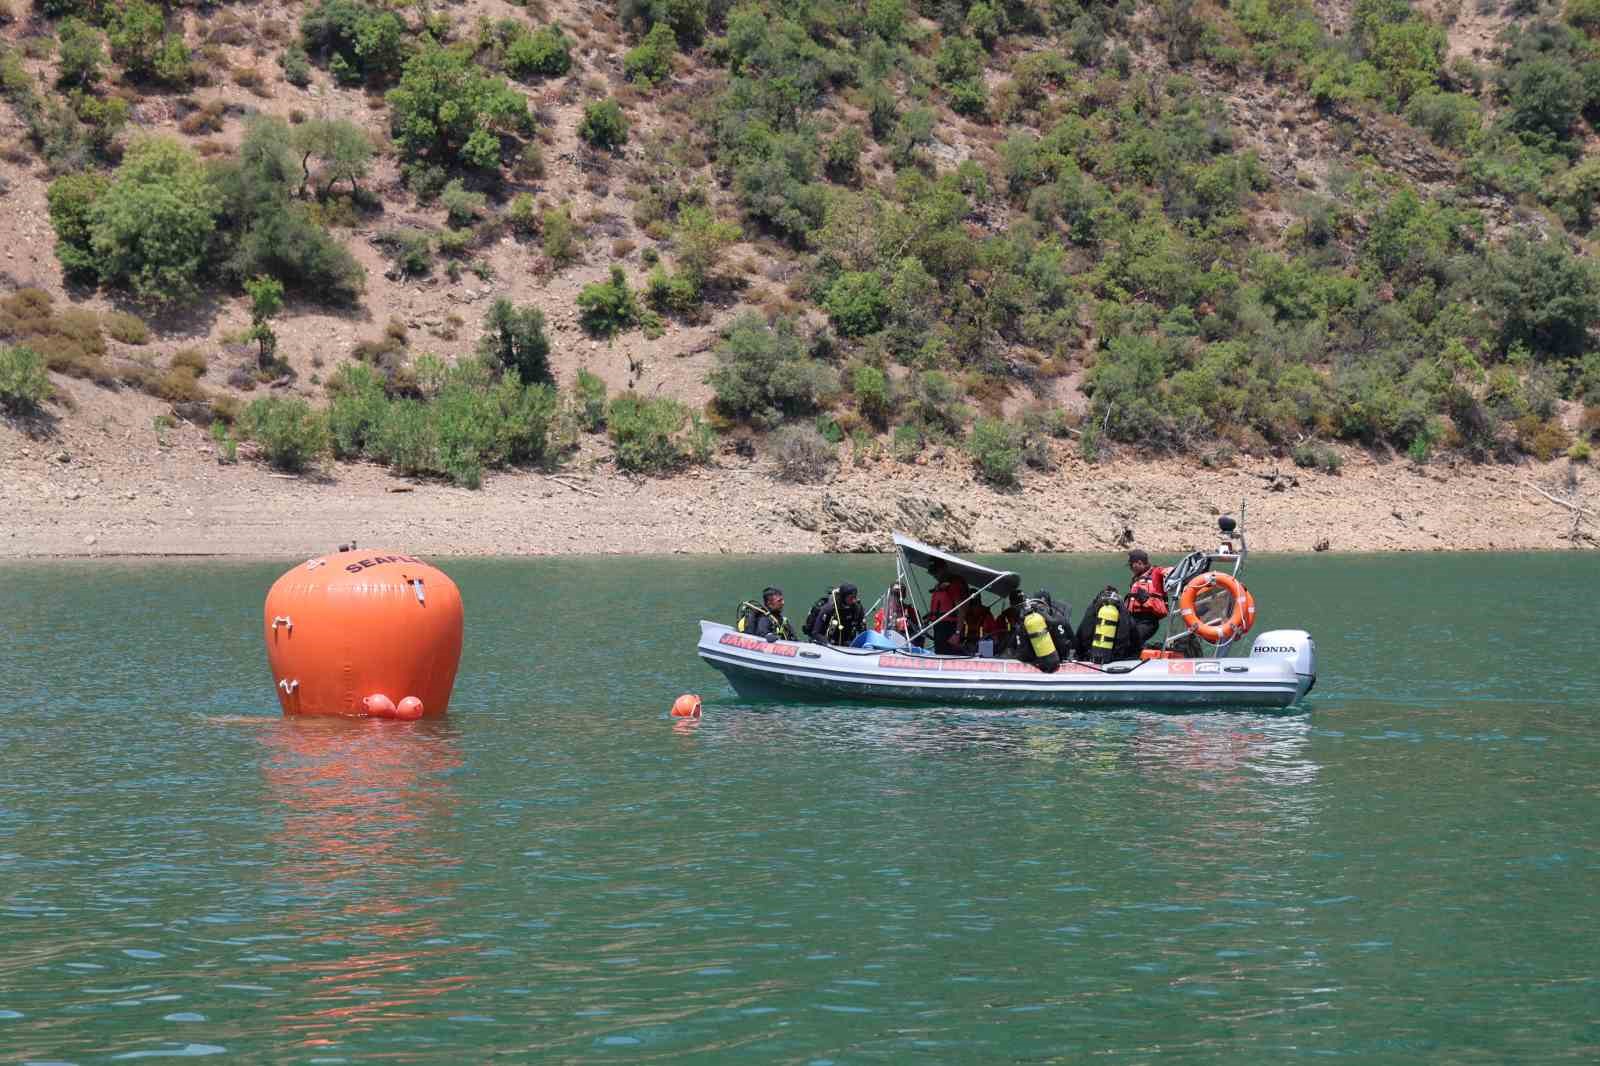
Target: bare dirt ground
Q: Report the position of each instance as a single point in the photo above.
(106, 482)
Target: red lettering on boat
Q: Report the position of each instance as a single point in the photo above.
(788, 651)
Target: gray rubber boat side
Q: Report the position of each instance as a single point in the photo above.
(758, 668)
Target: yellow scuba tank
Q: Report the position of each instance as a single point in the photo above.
(1105, 626)
(1045, 656)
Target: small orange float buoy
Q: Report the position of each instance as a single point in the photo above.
(686, 706)
(344, 631)
(378, 705)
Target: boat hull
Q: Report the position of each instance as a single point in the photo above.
(785, 669)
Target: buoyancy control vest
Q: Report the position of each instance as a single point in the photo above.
(760, 622)
(833, 621)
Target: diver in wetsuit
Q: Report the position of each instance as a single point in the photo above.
(765, 619)
(837, 618)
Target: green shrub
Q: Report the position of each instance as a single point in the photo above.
(651, 60)
(591, 401)
(514, 339)
(292, 436)
(937, 404)
(1450, 119)
(873, 398)
(699, 241)
(446, 108)
(296, 66)
(996, 446)
(856, 303)
(843, 161)
(562, 242)
(411, 250)
(462, 207)
(1547, 297)
(907, 442)
(674, 293)
(136, 30)
(764, 373)
(405, 441)
(356, 411)
(24, 383)
(608, 307)
(1545, 97)
(958, 59)
(687, 18)
(649, 434)
(70, 198)
(357, 41)
(522, 214)
(886, 19)
(604, 125)
(968, 97)
(1584, 15)
(81, 56)
(151, 228)
(544, 53)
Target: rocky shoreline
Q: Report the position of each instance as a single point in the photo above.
(115, 488)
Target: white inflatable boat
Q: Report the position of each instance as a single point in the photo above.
(1278, 670)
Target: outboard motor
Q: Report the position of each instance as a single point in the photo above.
(1295, 645)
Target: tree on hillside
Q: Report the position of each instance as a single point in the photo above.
(514, 339)
(149, 230)
(448, 110)
(342, 147)
(266, 300)
(1549, 297)
(267, 232)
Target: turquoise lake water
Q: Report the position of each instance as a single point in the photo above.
(1403, 869)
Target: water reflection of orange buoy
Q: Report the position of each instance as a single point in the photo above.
(366, 848)
(364, 633)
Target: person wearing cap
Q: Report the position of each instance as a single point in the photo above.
(838, 617)
(1146, 604)
(765, 619)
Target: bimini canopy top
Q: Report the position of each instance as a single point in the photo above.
(915, 553)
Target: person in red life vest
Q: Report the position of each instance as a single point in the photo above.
(978, 623)
(1147, 597)
(945, 598)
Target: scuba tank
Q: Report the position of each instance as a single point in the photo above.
(1037, 629)
(1104, 639)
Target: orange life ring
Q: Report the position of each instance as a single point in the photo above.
(1237, 624)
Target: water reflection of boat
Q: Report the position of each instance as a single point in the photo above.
(1279, 669)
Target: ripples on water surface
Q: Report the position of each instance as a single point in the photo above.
(560, 873)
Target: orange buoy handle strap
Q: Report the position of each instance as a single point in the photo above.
(1239, 620)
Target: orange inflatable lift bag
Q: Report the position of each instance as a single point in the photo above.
(370, 633)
